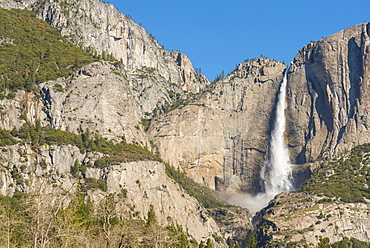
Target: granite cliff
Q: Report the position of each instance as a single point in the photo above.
(300, 219)
(328, 95)
(82, 102)
(214, 138)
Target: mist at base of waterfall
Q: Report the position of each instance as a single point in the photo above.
(253, 203)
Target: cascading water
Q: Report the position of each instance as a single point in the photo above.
(277, 171)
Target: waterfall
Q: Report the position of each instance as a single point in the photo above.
(276, 173)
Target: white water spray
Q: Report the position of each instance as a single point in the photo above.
(276, 174)
(277, 171)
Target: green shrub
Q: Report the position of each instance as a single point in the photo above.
(349, 243)
(16, 175)
(37, 135)
(78, 169)
(58, 88)
(92, 183)
(6, 138)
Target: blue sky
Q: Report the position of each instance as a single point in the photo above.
(217, 35)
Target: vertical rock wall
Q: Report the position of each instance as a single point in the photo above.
(328, 95)
(220, 139)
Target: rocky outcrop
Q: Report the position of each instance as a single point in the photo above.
(97, 97)
(214, 138)
(13, 112)
(299, 219)
(11, 4)
(48, 171)
(22, 169)
(328, 95)
(234, 223)
(148, 184)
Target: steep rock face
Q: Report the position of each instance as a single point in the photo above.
(148, 184)
(97, 97)
(214, 138)
(299, 218)
(328, 95)
(31, 176)
(14, 111)
(11, 4)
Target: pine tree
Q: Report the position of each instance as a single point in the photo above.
(152, 219)
(251, 240)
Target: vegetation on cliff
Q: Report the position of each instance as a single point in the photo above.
(32, 52)
(348, 243)
(38, 135)
(43, 220)
(345, 178)
(203, 194)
